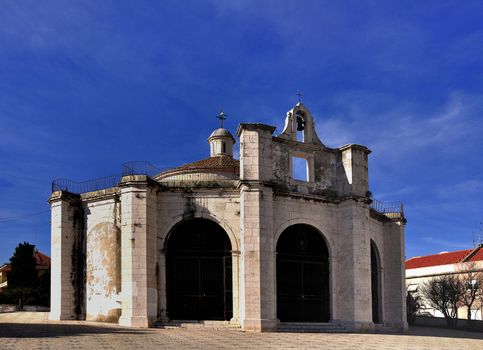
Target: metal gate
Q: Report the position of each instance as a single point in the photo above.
(199, 272)
(375, 284)
(302, 276)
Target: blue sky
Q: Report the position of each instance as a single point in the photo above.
(88, 85)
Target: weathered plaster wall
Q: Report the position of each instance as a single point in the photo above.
(103, 261)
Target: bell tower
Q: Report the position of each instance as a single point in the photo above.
(221, 140)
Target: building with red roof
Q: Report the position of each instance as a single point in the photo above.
(421, 269)
(43, 265)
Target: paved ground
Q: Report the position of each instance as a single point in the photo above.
(27, 330)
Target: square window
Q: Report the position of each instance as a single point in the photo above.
(300, 169)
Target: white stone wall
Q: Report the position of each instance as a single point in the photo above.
(138, 252)
(127, 229)
(63, 235)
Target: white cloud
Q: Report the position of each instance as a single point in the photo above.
(404, 131)
(446, 243)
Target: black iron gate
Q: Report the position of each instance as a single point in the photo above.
(199, 272)
(302, 276)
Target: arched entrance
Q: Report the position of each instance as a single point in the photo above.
(199, 272)
(375, 283)
(302, 276)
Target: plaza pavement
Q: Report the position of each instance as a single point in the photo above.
(32, 330)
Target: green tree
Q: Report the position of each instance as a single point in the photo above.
(23, 282)
(23, 263)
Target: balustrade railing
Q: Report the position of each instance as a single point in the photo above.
(390, 209)
(169, 177)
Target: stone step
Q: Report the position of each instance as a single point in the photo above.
(303, 327)
(384, 329)
(197, 324)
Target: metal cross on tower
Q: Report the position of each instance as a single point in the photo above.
(222, 116)
(299, 95)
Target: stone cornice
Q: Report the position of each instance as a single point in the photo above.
(355, 147)
(254, 126)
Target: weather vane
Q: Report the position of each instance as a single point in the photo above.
(299, 95)
(222, 116)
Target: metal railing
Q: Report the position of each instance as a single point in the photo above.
(86, 186)
(169, 177)
(390, 209)
(140, 168)
(101, 183)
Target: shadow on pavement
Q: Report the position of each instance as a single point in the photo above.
(422, 331)
(49, 330)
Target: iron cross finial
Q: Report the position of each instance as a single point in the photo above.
(222, 116)
(299, 95)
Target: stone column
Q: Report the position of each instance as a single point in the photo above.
(235, 261)
(138, 252)
(394, 276)
(66, 223)
(162, 297)
(353, 303)
(257, 267)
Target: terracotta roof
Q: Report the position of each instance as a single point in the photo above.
(478, 256)
(437, 259)
(217, 162)
(42, 259)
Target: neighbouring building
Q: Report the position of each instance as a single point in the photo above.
(421, 269)
(42, 266)
(288, 235)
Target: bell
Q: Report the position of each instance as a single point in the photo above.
(300, 123)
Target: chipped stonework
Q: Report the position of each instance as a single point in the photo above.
(126, 230)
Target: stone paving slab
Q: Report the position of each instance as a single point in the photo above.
(32, 330)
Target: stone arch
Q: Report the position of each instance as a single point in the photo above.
(376, 283)
(199, 271)
(163, 235)
(303, 275)
(307, 221)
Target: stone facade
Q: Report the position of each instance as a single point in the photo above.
(110, 247)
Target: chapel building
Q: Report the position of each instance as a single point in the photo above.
(285, 237)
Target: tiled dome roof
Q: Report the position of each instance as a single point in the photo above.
(217, 162)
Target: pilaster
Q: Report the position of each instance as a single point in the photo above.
(353, 293)
(355, 165)
(138, 252)
(257, 266)
(66, 224)
(394, 276)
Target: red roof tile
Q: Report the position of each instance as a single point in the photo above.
(42, 259)
(217, 162)
(478, 256)
(437, 259)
